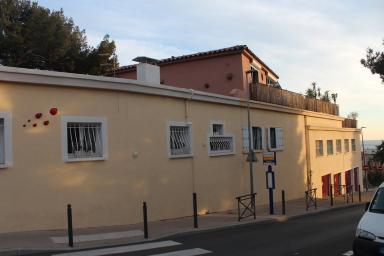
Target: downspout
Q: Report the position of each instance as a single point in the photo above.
(186, 117)
(308, 154)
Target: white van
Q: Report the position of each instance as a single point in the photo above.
(369, 238)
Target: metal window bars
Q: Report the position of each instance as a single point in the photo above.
(221, 144)
(84, 140)
(180, 140)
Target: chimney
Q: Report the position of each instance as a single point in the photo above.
(147, 70)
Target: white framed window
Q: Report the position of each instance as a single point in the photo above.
(83, 138)
(329, 147)
(319, 148)
(275, 138)
(257, 138)
(353, 144)
(338, 146)
(346, 145)
(179, 139)
(5, 139)
(219, 142)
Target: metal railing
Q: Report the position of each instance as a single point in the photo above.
(246, 206)
(268, 94)
(310, 199)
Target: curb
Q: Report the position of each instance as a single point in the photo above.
(11, 252)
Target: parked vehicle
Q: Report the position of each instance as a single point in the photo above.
(369, 238)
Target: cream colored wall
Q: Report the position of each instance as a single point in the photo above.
(336, 163)
(34, 192)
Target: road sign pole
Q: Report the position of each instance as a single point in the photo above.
(270, 179)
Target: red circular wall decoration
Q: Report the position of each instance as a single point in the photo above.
(38, 115)
(46, 122)
(53, 111)
(34, 125)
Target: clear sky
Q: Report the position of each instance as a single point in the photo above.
(301, 40)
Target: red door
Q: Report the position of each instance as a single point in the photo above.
(348, 179)
(356, 178)
(326, 182)
(337, 183)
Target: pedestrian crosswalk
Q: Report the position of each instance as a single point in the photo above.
(126, 250)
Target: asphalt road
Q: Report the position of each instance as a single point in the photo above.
(328, 233)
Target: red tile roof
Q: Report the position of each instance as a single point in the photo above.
(182, 58)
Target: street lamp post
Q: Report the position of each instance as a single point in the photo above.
(366, 171)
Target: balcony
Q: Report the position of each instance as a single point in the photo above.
(268, 94)
(349, 123)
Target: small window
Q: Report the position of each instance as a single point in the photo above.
(346, 145)
(255, 75)
(180, 139)
(353, 144)
(329, 147)
(276, 140)
(257, 138)
(270, 82)
(319, 148)
(84, 138)
(338, 146)
(5, 140)
(219, 142)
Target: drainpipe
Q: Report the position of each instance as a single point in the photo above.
(308, 155)
(186, 116)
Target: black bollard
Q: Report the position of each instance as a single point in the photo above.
(145, 218)
(283, 202)
(70, 230)
(195, 223)
(331, 194)
(359, 193)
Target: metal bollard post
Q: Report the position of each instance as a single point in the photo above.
(331, 194)
(283, 202)
(359, 193)
(195, 223)
(145, 217)
(70, 230)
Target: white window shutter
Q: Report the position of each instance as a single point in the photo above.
(245, 139)
(268, 138)
(279, 138)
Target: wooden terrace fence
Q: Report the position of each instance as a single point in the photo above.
(268, 94)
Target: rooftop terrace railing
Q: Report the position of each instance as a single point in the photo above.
(268, 94)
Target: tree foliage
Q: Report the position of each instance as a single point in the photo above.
(314, 92)
(32, 36)
(379, 155)
(375, 62)
(353, 115)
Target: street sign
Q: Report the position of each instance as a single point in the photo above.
(270, 180)
(269, 158)
(270, 176)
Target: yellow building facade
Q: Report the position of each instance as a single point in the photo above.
(114, 143)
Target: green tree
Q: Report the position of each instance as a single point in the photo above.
(314, 92)
(375, 62)
(379, 155)
(32, 36)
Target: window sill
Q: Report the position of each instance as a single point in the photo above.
(88, 159)
(4, 166)
(221, 153)
(275, 149)
(180, 156)
(254, 150)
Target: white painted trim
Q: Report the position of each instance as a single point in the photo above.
(86, 119)
(61, 79)
(168, 133)
(8, 149)
(269, 139)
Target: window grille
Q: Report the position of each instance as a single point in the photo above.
(329, 147)
(221, 144)
(346, 145)
(319, 148)
(180, 140)
(84, 140)
(2, 144)
(338, 146)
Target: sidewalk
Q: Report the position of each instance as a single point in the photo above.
(20, 243)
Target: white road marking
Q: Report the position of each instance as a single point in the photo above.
(97, 237)
(348, 253)
(190, 252)
(121, 249)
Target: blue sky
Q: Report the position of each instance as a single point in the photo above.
(302, 41)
